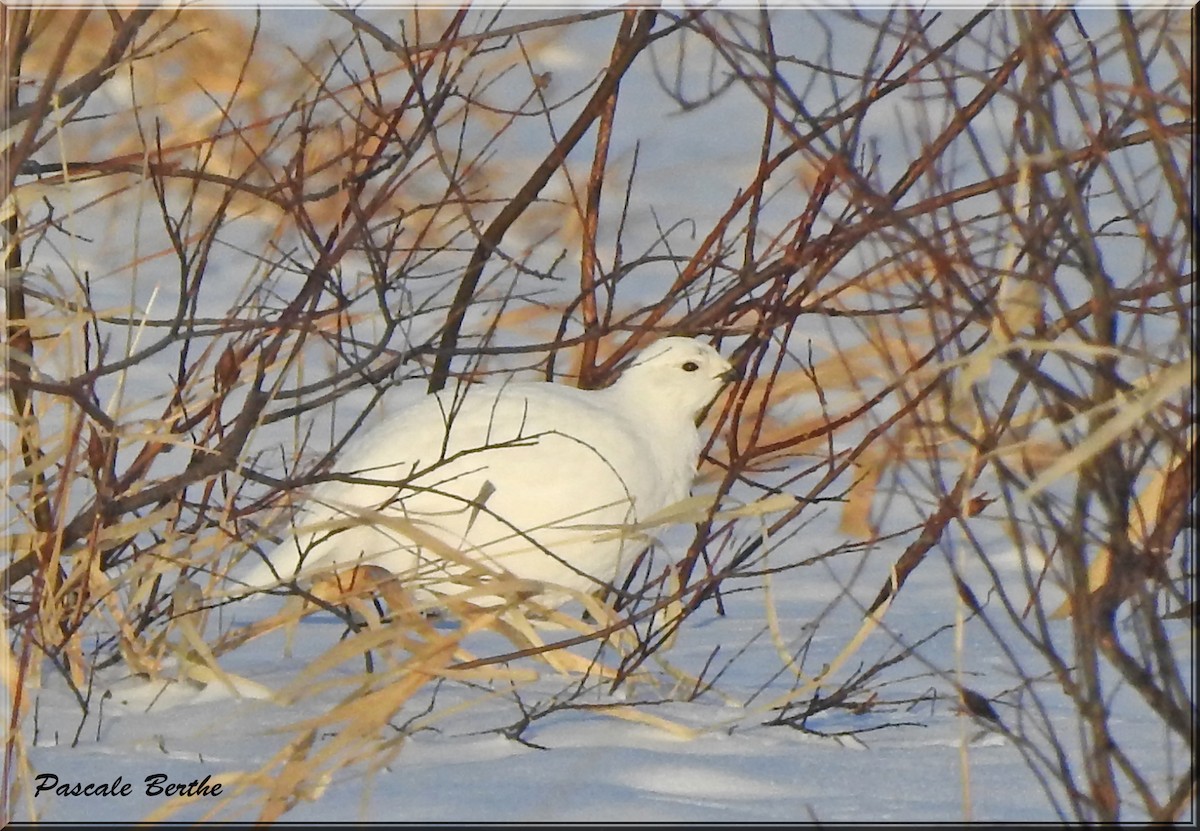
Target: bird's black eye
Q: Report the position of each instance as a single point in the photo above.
(691, 366)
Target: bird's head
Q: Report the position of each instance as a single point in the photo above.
(683, 374)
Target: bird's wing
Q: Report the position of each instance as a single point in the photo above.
(508, 473)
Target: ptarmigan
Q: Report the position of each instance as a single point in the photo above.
(525, 479)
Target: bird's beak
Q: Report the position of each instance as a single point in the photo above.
(726, 378)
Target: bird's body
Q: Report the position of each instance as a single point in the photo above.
(531, 480)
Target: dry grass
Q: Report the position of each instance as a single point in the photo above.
(930, 353)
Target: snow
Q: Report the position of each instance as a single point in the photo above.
(702, 760)
(691, 739)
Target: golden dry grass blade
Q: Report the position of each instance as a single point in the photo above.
(48, 459)
(977, 365)
(870, 624)
(679, 731)
(207, 669)
(855, 520)
(1148, 503)
(20, 774)
(1098, 572)
(521, 632)
(773, 625)
(693, 509)
(669, 618)
(1136, 408)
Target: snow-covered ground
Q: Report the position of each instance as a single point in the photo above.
(664, 747)
(707, 759)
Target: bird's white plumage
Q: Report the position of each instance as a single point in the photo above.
(522, 479)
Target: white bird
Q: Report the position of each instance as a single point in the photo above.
(530, 480)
